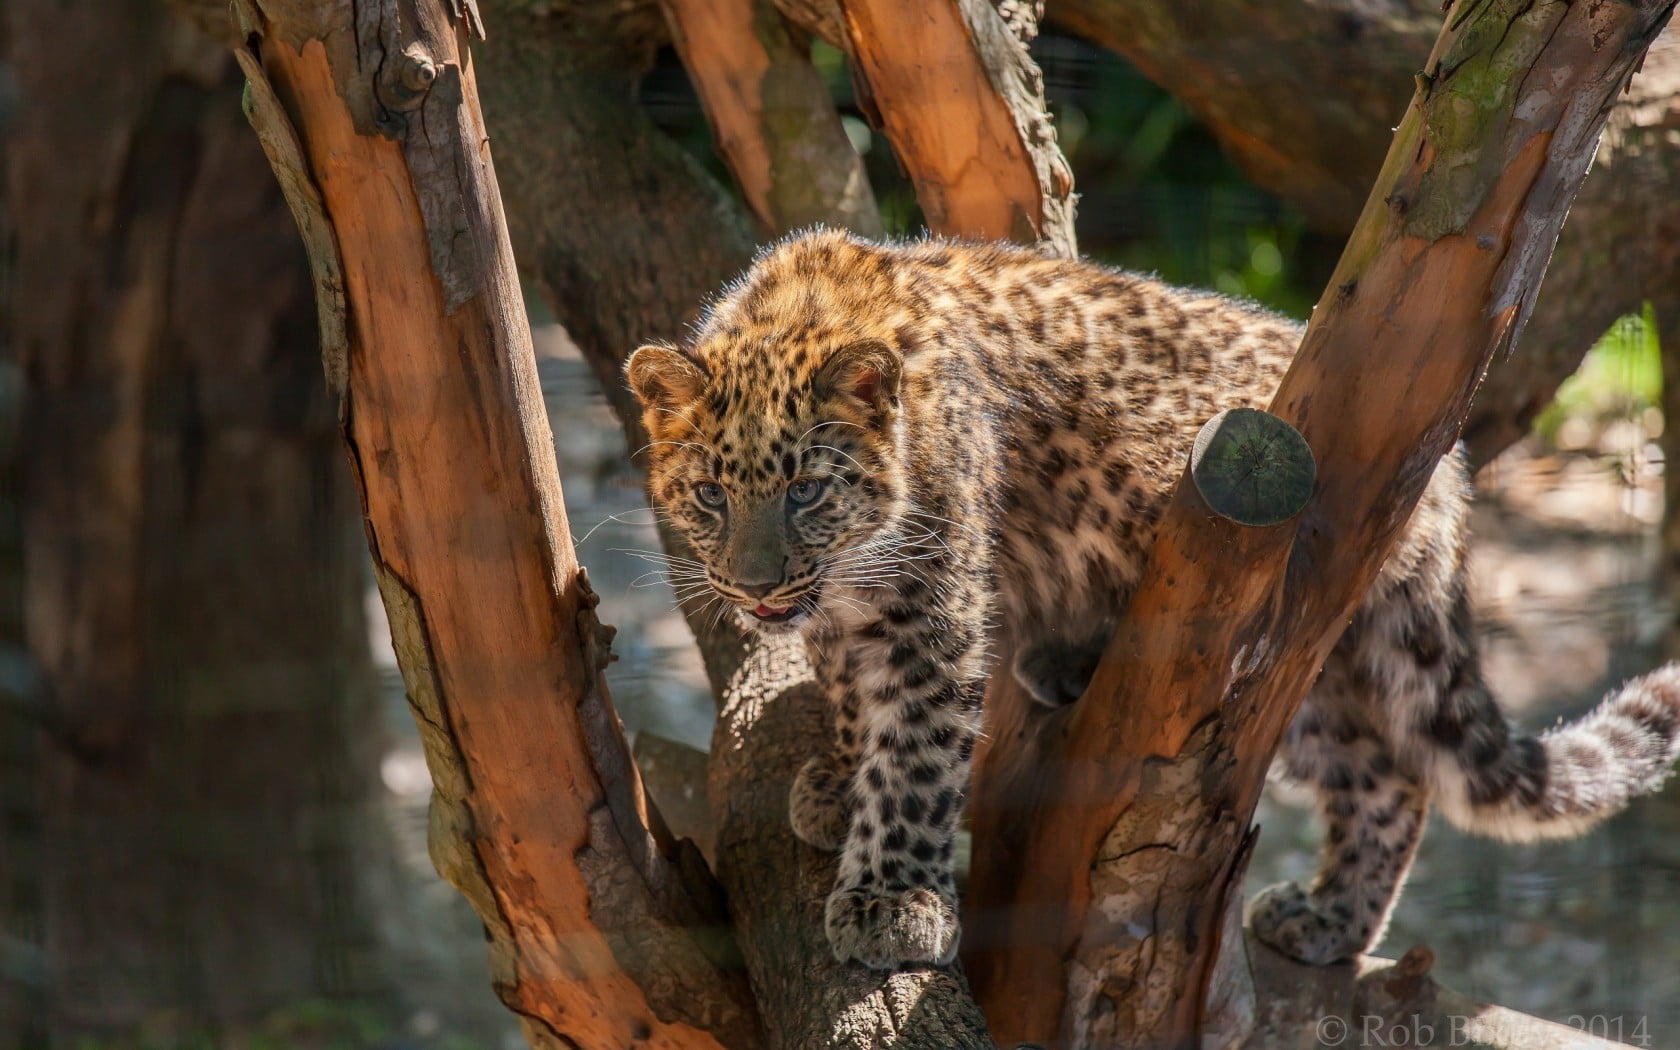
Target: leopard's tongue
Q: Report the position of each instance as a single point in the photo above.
(771, 610)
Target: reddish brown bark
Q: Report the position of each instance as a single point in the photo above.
(596, 919)
(771, 115)
(963, 104)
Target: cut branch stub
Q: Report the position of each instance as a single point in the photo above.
(1252, 467)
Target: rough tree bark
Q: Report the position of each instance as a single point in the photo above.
(602, 930)
(1136, 803)
(191, 726)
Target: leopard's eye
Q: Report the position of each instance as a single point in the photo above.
(804, 491)
(710, 494)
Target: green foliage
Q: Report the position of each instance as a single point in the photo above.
(1620, 378)
(1161, 196)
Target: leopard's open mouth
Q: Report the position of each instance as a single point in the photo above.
(804, 605)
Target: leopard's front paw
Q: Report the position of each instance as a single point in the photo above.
(885, 930)
(1286, 917)
(819, 806)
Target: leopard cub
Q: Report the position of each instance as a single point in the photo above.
(898, 450)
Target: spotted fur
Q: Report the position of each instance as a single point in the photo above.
(900, 450)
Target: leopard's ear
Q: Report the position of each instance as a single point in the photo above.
(868, 370)
(662, 377)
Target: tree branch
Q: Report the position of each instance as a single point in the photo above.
(1302, 93)
(1375, 1002)
(963, 103)
(771, 115)
(602, 931)
(1229, 623)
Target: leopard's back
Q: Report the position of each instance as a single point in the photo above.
(1070, 392)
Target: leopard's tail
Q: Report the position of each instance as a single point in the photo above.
(1493, 780)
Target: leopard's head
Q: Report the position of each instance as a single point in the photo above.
(779, 459)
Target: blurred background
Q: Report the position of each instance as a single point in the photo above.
(213, 796)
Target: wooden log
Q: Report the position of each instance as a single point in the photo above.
(767, 728)
(1109, 838)
(1377, 1002)
(603, 932)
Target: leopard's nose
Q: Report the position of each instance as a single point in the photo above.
(758, 590)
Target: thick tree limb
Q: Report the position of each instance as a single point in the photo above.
(771, 115)
(777, 885)
(963, 103)
(602, 931)
(1229, 624)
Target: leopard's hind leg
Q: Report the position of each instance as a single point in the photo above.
(1373, 815)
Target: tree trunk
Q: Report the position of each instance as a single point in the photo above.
(197, 777)
(771, 116)
(603, 931)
